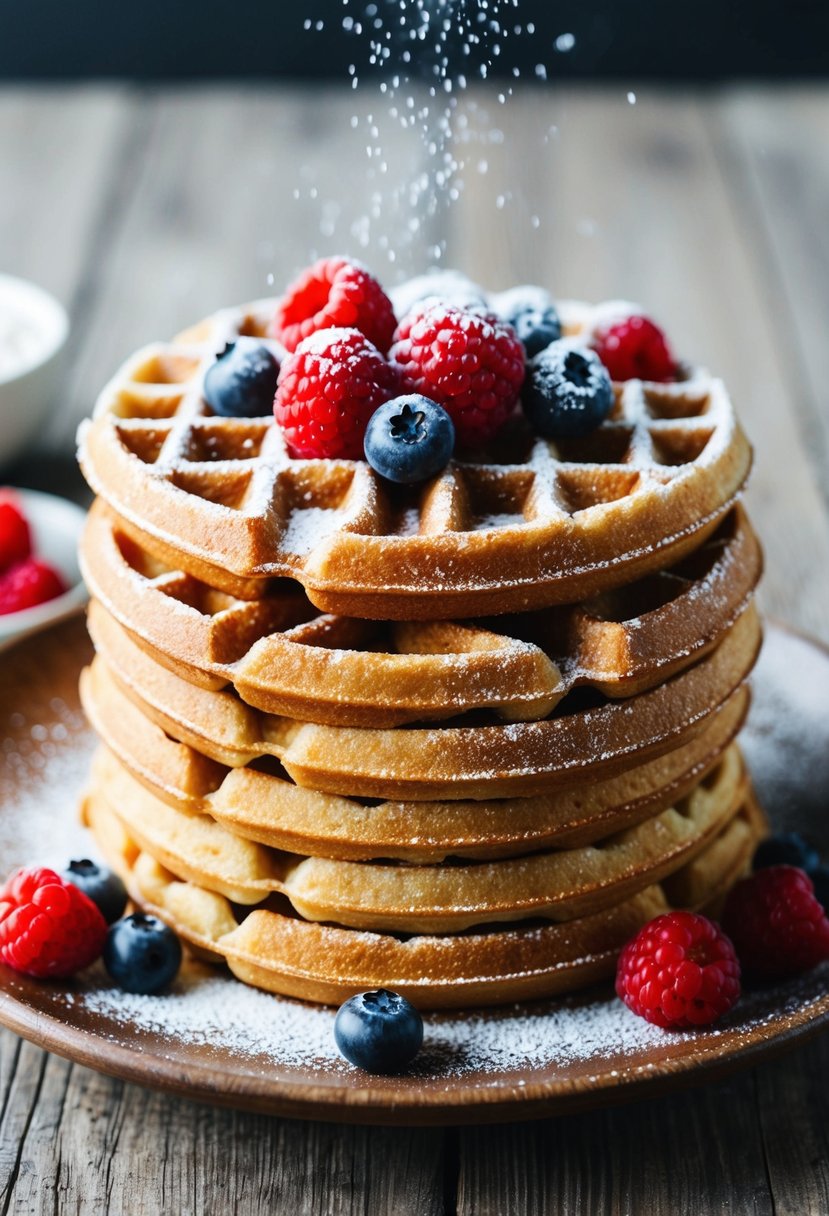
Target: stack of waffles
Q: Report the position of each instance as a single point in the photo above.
(460, 740)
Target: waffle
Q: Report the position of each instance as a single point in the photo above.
(272, 948)
(283, 657)
(451, 762)
(531, 524)
(269, 810)
(557, 885)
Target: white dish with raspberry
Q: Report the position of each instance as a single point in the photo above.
(56, 527)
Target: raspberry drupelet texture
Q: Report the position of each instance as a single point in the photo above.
(679, 971)
(634, 348)
(327, 391)
(777, 924)
(27, 584)
(334, 293)
(469, 362)
(47, 926)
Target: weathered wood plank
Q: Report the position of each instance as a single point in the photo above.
(74, 1141)
(677, 1156)
(773, 152)
(792, 1103)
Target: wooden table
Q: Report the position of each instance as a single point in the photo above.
(145, 209)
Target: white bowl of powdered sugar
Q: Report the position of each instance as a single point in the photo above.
(33, 329)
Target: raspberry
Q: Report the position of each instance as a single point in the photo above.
(47, 926)
(334, 292)
(469, 362)
(679, 971)
(633, 348)
(327, 391)
(27, 584)
(15, 538)
(777, 923)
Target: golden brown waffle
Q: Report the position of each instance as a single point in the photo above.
(452, 762)
(558, 885)
(273, 949)
(282, 656)
(270, 810)
(531, 524)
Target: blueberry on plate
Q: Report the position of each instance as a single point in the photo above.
(786, 849)
(242, 381)
(409, 438)
(379, 1031)
(567, 391)
(532, 314)
(820, 878)
(141, 953)
(101, 885)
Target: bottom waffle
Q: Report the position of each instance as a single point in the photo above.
(560, 885)
(273, 949)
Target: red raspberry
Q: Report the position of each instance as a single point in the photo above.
(679, 971)
(48, 926)
(776, 923)
(334, 292)
(470, 363)
(15, 538)
(327, 391)
(633, 348)
(27, 584)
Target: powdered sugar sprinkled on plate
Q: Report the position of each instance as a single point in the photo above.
(208, 1019)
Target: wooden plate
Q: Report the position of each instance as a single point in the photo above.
(211, 1038)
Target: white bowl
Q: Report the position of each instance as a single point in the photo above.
(29, 381)
(56, 529)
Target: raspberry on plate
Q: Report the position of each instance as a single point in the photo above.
(471, 364)
(679, 971)
(334, 293)
(633, 348)
(15, 537)
(27, 584)
(47, 926)
(777, 923)
(327, 391)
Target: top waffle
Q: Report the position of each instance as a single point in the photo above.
(532, 523)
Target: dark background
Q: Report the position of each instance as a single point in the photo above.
(197, 39)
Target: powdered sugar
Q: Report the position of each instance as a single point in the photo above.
(45, 765)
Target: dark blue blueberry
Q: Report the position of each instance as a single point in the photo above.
(141, 953)
(103, 887)
(786, 849)
(409, 439)
(820, 877)
(242, 381)
(567, 391)
(532, 314)
(378, 1031)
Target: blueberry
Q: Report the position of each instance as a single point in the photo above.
(409, 439)
(103, 887)
(141, 953)
(786, 849)
(378, 1031)
(820, 877)
(532, 314)
(567, 391)
(242, 381)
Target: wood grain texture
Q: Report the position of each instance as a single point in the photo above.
(143, 210)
